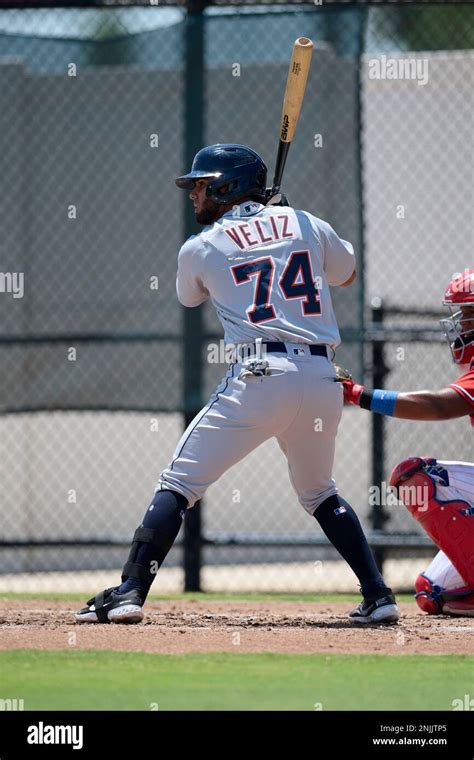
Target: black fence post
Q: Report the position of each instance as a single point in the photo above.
(379, 372)
(362, 20)
(192, 318)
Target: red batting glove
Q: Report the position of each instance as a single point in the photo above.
(352, 392)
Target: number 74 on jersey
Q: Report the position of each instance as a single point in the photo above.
(296, 281)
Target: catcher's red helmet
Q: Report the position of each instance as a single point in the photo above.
(459, 327)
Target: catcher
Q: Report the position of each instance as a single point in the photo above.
(439, 495)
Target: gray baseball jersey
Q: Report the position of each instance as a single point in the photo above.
(267, 271)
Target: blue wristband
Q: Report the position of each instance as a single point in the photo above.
(383, 402)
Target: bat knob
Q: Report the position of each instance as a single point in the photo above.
(277, 199)
(270, 192)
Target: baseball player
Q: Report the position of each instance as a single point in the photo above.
(439, 495)
(267, 270)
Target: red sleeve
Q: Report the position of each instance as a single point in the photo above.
(464, 385)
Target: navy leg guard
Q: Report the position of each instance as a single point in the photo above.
(153, 540)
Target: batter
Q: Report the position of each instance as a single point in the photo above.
(267, 270)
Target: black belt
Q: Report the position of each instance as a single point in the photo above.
(276, 346)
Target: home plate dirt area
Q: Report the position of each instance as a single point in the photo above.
(180, 627)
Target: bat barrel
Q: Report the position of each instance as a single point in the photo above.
(292, 102)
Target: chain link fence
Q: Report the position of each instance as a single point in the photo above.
(100, 108)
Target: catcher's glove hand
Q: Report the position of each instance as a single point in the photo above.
(279, 199)
(352, 391)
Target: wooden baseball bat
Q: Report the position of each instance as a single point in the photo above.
(292, 102)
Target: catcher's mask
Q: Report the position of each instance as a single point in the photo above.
(459, 327)
(234, 172)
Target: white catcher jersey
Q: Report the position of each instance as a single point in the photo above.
(267, 270)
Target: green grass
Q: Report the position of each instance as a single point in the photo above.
(105, 680)
(202, 597)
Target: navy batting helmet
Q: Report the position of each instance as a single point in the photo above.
(235, 171)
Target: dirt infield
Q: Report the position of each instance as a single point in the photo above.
(180, 627)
